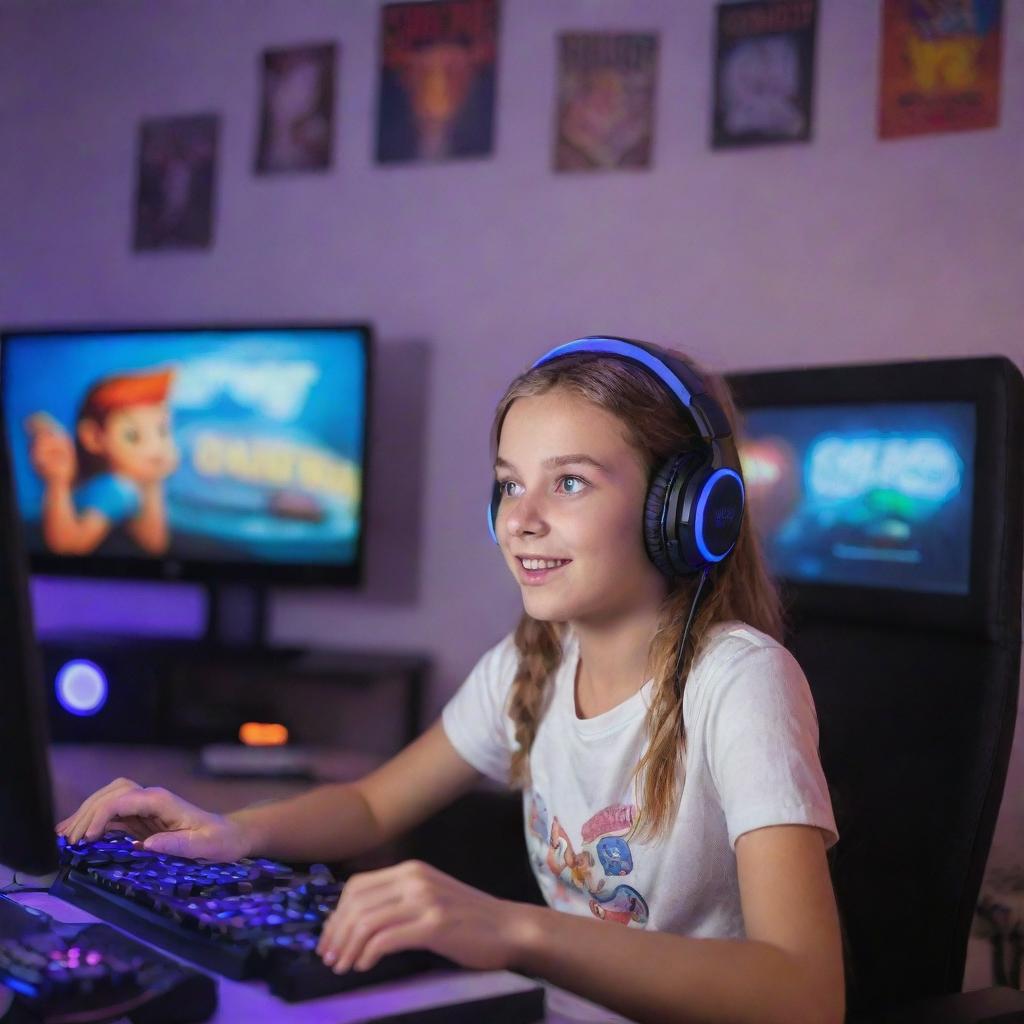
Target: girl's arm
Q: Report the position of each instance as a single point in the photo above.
(789, 968)
(342, 820)
(327, 823)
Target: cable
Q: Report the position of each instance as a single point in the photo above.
(686, 631)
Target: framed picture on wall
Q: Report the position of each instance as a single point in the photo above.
(940, 66)
(177, 171)
(764, 72)
(605, 111)
(437, 76)
(297, 115)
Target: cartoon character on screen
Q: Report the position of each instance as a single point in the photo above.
(115, 473)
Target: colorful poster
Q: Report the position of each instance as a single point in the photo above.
(297, 120)
(764, 72)
(940, 66)
(177, 167)
(437, 79)
(605, 116)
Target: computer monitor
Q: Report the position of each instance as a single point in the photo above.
(865, 495)
(867, 485)
(26, 811)
(215, 454)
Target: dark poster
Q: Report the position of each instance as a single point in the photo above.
(174, 198)
(297, 119)
(764, 72)
(437, 79)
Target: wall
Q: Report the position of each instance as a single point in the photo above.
(845, 249)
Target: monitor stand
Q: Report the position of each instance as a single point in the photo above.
(236, 617)
(236, 626)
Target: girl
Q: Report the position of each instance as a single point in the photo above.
(665, 742)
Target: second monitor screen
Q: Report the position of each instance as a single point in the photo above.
(864, 495)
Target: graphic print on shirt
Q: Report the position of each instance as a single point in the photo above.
(604, 856)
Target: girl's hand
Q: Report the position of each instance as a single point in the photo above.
(164, 822)
(415, 906)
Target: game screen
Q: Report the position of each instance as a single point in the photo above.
(220, 446)
(872, 495)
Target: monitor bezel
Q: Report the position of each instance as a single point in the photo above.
(977, 381)
(196, 570)
(27, 840)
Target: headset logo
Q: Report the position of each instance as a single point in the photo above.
(724, 515)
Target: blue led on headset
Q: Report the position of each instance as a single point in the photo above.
(698, 533)
(490, 524)
(627, 351)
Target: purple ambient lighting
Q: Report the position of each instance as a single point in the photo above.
(81, 687)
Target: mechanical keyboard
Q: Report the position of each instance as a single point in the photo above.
(244, 919)
(90, 973)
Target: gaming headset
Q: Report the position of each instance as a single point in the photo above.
(694, 504)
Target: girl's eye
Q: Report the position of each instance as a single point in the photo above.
(131, 435)
(572, 484)
(507, 488)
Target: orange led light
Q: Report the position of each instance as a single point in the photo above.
(263, 734)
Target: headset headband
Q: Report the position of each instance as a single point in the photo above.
(706, 413)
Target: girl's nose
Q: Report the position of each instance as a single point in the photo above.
(525, 516)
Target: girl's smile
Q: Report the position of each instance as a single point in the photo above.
(534, 571)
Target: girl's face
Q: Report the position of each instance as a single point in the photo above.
(570, 524)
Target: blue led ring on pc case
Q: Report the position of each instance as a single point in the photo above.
(81, 687)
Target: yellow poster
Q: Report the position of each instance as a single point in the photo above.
(940, 66)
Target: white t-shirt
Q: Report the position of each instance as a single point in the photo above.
(752, 760)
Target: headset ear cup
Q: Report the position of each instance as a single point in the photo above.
(657, 492)
(672, 479)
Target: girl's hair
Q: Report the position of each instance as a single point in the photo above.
(740, 587)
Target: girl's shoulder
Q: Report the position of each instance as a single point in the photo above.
(498, 664)
(726, 646)
(734, 635)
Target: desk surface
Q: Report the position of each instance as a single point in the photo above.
(79, 769)
(252, 1002)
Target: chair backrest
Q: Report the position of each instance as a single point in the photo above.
(916, 698)
(915, 742)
